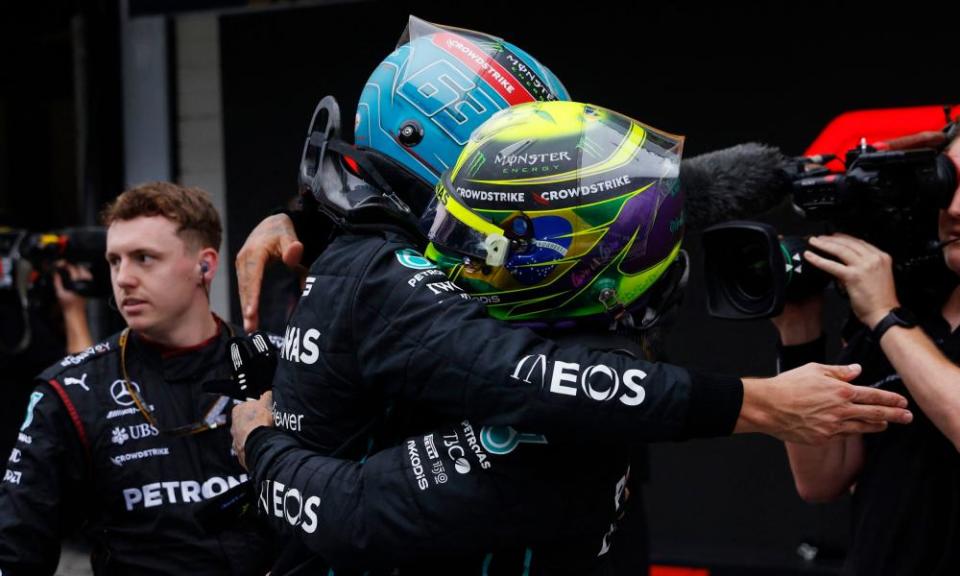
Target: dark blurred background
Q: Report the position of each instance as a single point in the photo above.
(96, 96)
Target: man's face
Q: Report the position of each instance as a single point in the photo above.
(155, 274)
(950, 230)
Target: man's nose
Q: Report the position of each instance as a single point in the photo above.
(125, 276)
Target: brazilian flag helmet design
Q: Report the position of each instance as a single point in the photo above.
(560, 211)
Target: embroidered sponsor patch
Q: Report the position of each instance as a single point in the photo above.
(411, 259)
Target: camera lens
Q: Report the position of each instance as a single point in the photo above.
(745, 272)
(750, 277)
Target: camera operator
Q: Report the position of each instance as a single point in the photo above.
(36, 330)
(905, 480)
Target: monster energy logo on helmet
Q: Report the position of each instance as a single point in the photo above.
(531, 159)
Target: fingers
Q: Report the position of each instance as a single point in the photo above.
(58, 283)
(236, 434)
(250, 266)
(850, 250)
(246, 417)
(862, 427)
(876, 413)
(831, 267)
(68, 299)
(846, 372)
(241, 455)
(292, 252)
(75, 271)
(846, 249)
(273, 238)
(874, 396)
(80, 272)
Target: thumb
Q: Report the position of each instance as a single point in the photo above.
(291, 252)
(845, 372)
(251, 318)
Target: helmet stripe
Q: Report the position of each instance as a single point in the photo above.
(485, 67)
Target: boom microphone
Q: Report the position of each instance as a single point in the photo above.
(734, 183)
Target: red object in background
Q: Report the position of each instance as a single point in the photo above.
(845, 131)
(674, 571)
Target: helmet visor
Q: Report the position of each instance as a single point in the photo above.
(455, 227)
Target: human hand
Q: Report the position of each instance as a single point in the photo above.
(815, 403)
(865, 271)
(246, 417)
(274, 238)
(70, 301)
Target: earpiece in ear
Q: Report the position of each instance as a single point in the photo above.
(204, 268)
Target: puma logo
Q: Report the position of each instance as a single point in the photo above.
(82, 381)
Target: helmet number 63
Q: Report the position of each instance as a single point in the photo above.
(451, 100)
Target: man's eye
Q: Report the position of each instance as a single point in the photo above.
(145, 258)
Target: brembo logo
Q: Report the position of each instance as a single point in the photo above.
(598, 382)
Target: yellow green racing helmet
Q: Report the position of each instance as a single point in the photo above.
(560, 211)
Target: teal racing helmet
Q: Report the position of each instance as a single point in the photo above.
(423, 101)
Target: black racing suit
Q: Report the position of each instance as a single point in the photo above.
(383, 346)
(85, 453)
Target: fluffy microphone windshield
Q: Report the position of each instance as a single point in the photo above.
(738, 182)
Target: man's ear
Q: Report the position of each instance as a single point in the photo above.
(209, 260)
